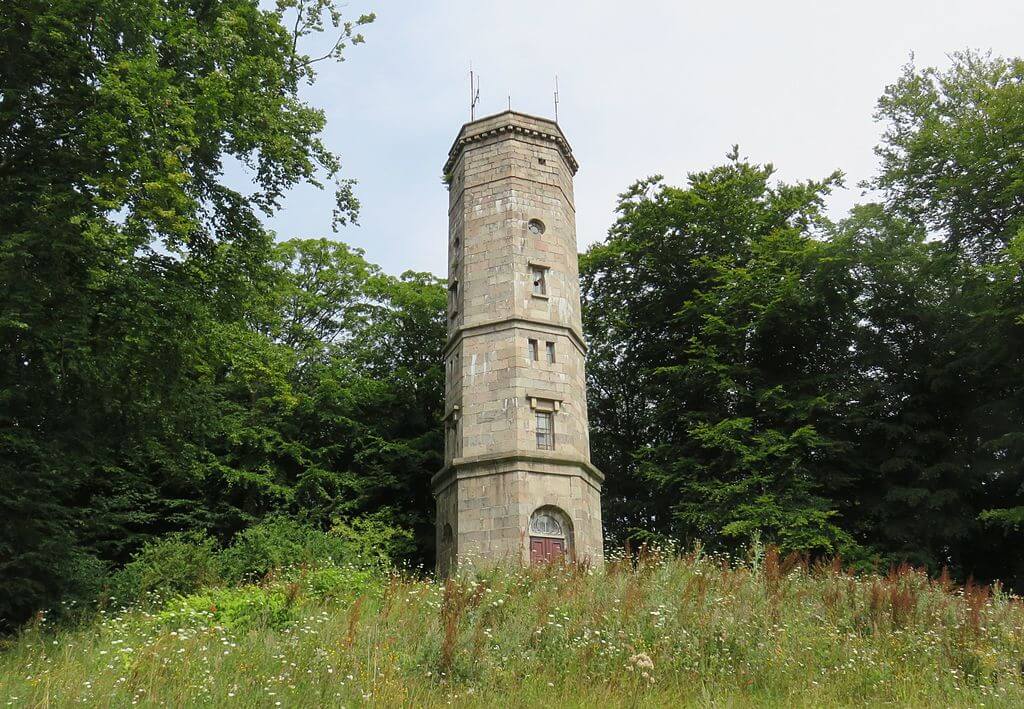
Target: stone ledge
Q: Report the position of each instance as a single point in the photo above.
(499, 325)
(461, 468)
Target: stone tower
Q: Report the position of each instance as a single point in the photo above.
(517, 484)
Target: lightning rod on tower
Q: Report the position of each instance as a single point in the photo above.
(474, 92)
(556, 98)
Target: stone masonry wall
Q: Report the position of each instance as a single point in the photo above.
(503, 172)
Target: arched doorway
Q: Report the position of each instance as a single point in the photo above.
(550, 535)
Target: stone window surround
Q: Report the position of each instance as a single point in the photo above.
(452, 364)
(546, 269)
(550, 407)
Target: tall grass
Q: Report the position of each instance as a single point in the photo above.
(697, 630)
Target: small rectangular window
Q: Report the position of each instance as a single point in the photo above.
(545, 431)
(550, 347)
(539, 275)
(534, 355)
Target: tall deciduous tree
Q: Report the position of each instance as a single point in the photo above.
(719, 330)
(953, 159)
(127, 263)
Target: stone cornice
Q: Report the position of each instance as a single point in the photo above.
(509, 323)
(479, 130)
(469, 467)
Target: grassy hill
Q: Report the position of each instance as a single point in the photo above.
(699, 630)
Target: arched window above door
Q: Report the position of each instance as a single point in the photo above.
(544, 523)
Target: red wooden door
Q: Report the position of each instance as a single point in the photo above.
(546, 549)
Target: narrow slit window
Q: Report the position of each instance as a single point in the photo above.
(453, 298)
(533, 351)
(539, 275)
(550, 348)
(545, 431)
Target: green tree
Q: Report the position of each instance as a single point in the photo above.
(915, 388)
(953, 160)
(126, 262)
(728, 324)
(332, 399)
(953, 151)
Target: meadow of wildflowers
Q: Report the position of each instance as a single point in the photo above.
(659, 631)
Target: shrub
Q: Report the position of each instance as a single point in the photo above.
(343, 583)
(279, 542)
(374, 539)
(177, 564)
(238, 609)
(276, 543)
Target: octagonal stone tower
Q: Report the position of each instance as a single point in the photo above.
(517, 484)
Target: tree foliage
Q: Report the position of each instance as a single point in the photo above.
(133, 372)
(730, 320)
(851, 387)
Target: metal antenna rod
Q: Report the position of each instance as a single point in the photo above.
(474, 92)
(556, 98)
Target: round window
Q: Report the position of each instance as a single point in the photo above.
(536, 227)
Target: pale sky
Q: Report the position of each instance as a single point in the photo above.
(649, 86)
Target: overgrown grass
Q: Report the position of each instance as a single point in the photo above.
(698, 630)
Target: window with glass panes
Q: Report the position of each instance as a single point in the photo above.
(545, 431)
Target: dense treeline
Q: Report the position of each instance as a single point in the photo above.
(852, 388)
(756, 370)
(164, 365)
